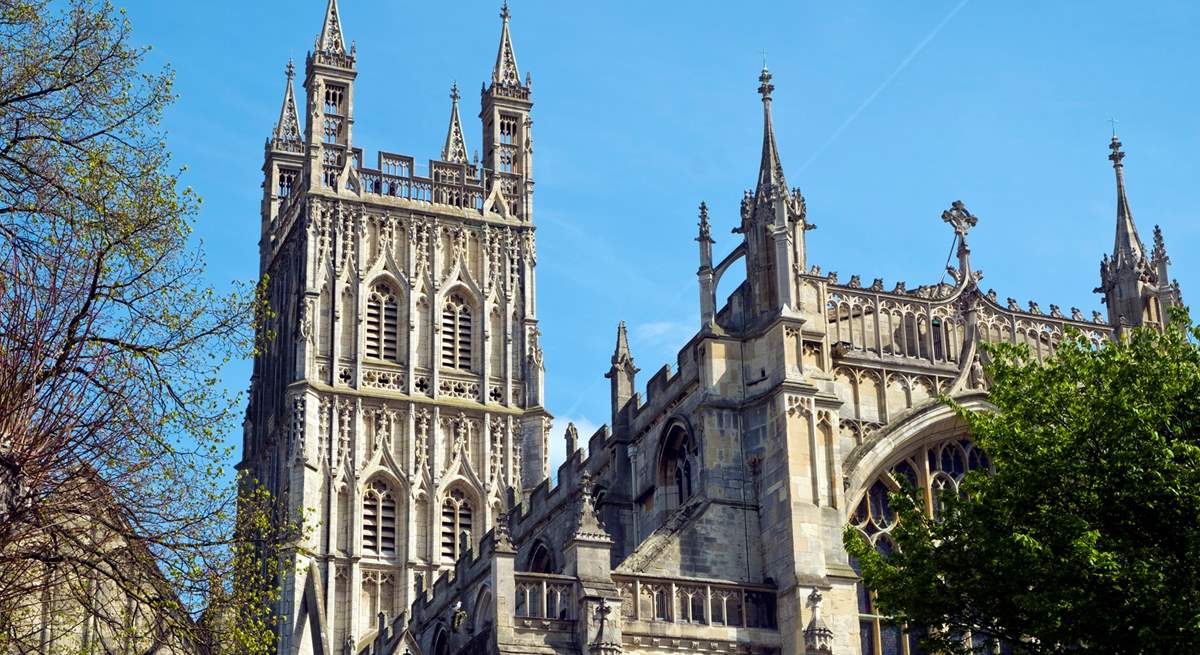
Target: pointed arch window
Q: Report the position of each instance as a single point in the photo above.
(680, 466)
(456, 524)
(383, 324)
(379, 520)
(456, 334)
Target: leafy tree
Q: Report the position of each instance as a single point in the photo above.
(113, 423)
(1086, 536)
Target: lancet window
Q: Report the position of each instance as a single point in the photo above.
(287, 182)
(383, 324)
(456, 524)
(379, 520)
(456, 334)
(680, 466)
(932, 471)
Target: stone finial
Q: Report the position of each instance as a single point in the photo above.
(1077, 315)
(572, 438)
(877, 285)
(705, 228)
(901, 287)
(818, 638)
(1033, 308)
(833, 277)
(855, 282)
(1013, 305)
(587, 525)
(1096, 317)
(1160, 248)
(1055, 312)
(959, 218)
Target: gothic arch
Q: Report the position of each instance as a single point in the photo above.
(460, 515)
(678, 462)
(541, 558)
(481, 616)
(926, 425)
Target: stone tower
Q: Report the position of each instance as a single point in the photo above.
(397, 405)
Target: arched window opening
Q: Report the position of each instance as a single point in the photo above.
(456, 334)
(379, 520)
(540, 560)
(680, 465)
(457, 537)
(383, 324)
(931, 471)
(441, 643)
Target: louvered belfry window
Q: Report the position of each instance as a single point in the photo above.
(456, 525)
(383, 324)
(379, 520)
(456, 334)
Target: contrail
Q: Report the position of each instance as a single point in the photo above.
(875, 94)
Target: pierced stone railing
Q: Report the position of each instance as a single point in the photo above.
(696, 602)
(544, 601)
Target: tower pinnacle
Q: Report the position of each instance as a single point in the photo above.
(331, 40)
(1127, 249)
(455, 149)
(770, 170)
(286, 135)
(505, 72)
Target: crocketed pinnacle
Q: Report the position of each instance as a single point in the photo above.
(287, 128)
(621, 355)
(505, 73)
(330, 40)
(1128, 249)
(770, 169)
(455, 149)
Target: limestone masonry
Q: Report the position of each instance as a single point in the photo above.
(400, 406)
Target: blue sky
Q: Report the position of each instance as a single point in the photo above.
(885, 113)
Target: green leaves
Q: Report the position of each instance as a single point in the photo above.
(1087, 536)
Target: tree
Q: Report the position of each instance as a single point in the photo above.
(113, 423)
(1085, 536)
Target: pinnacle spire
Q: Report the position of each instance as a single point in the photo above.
(286, 135)
(505, 73)
(1128, 249)
(621, 354)
(1160, 247)
(455, 149)
(770, 169)
(331, 40)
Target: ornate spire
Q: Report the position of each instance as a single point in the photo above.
(330, 41)
(286, 135)
(1127, 250)
(455, 149)
(770, 169)
(505, 73)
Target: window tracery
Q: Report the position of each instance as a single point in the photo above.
(680, 466)
(932, 471)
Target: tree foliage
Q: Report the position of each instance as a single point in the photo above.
(113, 424)
(1086, 536)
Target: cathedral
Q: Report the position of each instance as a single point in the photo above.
(399, 407)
